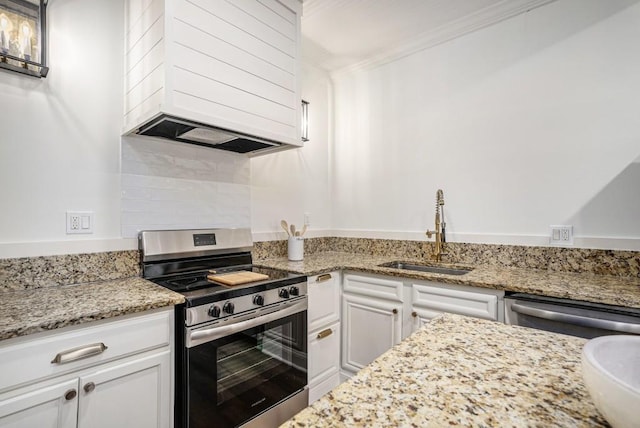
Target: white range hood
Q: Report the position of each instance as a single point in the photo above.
(218, 74)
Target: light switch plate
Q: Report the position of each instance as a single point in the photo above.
(79, 222)
(561, 235)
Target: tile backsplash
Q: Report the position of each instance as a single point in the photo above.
(167, 185)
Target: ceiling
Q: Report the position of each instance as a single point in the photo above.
(343, 34)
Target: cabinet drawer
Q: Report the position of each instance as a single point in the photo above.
(324, 352)
(324, 299)
(452, 300)
(28, 359)
(374, 287)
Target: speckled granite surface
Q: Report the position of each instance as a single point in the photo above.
(29, 311)
(460, 371)
(613, 290)
(555, 259)
(51, 271)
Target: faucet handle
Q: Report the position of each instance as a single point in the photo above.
(430, 233)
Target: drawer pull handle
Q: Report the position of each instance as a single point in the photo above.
(70, 394)
(414, 314)
(323, 278)
(395, 311)
(325, 333)
(79, 353)
(89, 387)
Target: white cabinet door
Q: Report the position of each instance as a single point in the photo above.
(369, 327)
(49, 407)
(135, 393)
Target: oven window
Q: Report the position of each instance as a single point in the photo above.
(237, 377)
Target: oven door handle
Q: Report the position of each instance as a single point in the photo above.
(588, 322)
(197, 337)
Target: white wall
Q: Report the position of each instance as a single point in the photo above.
(60, 150)
(528, 123)
(285, 185)
(60, 136)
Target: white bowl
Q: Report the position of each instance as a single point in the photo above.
(611, 371)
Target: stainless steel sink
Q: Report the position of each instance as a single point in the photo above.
(427, 268)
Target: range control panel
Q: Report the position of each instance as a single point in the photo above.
(243, 304)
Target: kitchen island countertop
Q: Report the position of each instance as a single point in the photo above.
(607, 289)
(468, 372)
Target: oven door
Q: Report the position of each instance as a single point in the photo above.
(239, 370)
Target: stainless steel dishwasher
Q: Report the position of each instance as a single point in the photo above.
(575, 318)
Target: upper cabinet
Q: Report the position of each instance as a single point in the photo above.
(214, 72)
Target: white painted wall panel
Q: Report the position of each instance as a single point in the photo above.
(253, 19)
(272, 14)
(286, 10)
(134, 9)
(150, 104)
(190, 83)
(212, 109)
(145, 66)
(138, 25)
(224, 52)
(208, 22)
(247, 83)
(148, 87)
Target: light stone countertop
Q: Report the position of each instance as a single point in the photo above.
(460, 371)
(24, 312)
(608, 289)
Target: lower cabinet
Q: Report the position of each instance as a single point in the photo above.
(324, 334)
(378, 312)
(370, 326)
(126, 383)
(131, 393)
(54, 406)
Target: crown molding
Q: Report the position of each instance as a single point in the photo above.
(483, 18)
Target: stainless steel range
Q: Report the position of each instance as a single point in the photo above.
(241, 349)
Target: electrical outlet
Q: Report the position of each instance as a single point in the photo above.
(561, 235)
(79, 222)
(307, 219)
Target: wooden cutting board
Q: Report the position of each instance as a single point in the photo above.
(237, 278)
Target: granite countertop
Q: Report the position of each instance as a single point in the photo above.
(608, 289)
(24, 312)
(464, 371)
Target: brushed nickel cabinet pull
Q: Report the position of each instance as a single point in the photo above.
(323, 278)
(325, 333)
(395, 311)
(89, 387)
(70, 394)
(414, 314)
(79, 353)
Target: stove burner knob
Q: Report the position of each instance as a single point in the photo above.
(283, 293)
(228, 308)
(258, 300)
(294, 291)
(214, 311)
